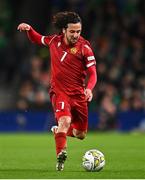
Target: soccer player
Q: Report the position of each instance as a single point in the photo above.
(73, 77)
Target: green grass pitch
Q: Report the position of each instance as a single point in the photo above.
(32, 156)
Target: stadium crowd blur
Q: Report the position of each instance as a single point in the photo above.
(116, 30)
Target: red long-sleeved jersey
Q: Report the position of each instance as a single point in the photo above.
(69, 64)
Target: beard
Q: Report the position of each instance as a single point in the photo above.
(72, 40)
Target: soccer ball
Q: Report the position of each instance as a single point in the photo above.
(93, 160)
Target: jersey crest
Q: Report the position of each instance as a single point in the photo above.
(73, 50)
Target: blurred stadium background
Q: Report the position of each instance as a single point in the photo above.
(116, 30)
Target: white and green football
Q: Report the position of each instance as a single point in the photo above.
(93, 160)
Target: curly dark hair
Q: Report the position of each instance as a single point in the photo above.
(62, 19)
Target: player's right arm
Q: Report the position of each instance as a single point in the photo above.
(34, 36)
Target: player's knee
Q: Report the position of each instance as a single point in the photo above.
(81, 135)
(64, 123)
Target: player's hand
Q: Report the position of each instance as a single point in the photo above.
(88, 94)
(23, 27)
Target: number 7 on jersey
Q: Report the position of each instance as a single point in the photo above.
(64, 55)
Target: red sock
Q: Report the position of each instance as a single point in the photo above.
(60, 141)
(70, 131)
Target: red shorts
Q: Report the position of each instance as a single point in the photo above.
(75, 106)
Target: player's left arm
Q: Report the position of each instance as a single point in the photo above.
(91, 70)
(92, 79)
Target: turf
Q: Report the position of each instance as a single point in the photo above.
(32, 156)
